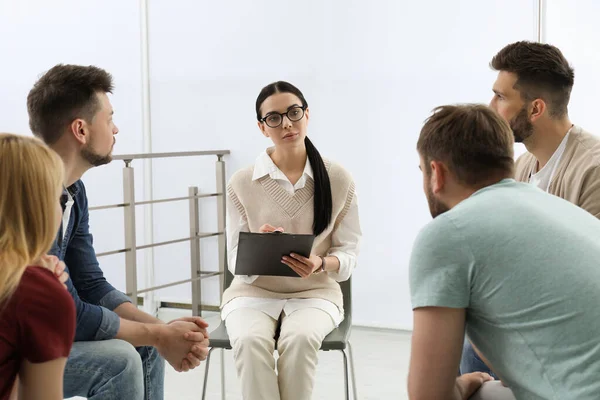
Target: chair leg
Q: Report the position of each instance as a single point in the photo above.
(206, 373)
(223, 374)
(346, 375)
(352, 372)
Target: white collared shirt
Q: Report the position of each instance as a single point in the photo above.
(67, 213)
(345, 241)
(543, 177)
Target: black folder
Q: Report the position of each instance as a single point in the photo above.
(261, 253)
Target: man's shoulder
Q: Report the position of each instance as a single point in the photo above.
(78, 192)
(524, 158)
(439, 229)
(583, 161)
(587, 149)
(523, 166)
(77, 188)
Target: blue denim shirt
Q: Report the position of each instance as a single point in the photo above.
(95, 298)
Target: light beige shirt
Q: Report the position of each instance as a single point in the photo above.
(577, 176)
(347, 235)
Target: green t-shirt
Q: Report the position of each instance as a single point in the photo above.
(526, 267)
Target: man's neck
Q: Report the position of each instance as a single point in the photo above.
(546, 139)
(74, 165)
(458, 193)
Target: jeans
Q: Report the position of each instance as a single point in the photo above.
(114, 369)
(470, 361)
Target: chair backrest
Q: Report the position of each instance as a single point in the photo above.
(228, 279)
(346, 292)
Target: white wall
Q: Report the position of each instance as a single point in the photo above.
(36, 35)
(573, 28)
(371, 73)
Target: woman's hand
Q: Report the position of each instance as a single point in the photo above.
(303, 266)
(266, 228)
(55, 266)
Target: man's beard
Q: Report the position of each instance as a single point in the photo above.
(94, 158)
(521, 126)
(436, 207)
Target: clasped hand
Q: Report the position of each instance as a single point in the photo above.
(184, 343)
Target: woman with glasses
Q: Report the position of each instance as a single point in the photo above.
(37, 313)
(289, 189)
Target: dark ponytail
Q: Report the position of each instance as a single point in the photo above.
(323, 203)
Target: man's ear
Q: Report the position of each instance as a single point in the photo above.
(538, 109)
(79, 128)
(439, 173)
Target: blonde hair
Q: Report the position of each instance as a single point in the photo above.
(31, 181)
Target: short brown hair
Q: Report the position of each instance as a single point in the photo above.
(542, 72)
(62, 94)
(474, 142)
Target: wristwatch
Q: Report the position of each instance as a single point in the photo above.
(322, 268)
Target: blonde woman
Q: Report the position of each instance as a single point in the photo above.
(37, 314)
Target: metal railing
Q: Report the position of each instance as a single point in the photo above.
(129, 204)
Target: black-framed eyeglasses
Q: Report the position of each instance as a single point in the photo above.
(274, 119)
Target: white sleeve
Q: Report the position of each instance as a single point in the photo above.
(345, 242)
(236, 223)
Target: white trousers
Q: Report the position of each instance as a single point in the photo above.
(493, 390)
(252, 335)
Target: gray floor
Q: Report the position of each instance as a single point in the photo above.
(380, 356)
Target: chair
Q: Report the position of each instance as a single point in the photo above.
(338, 340)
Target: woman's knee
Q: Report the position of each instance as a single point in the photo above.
(302, 339)
(253, 342)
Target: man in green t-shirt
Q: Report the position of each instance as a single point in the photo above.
(514, 267)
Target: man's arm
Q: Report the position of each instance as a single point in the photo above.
(440, 285)
(437, 340)
(139, 334)
(182, 345)
(186, 338)
(89, 281)
(132, 313)
(86, 283)
(93, 322)
(176, 342)
(81, 259)
(129, 312)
